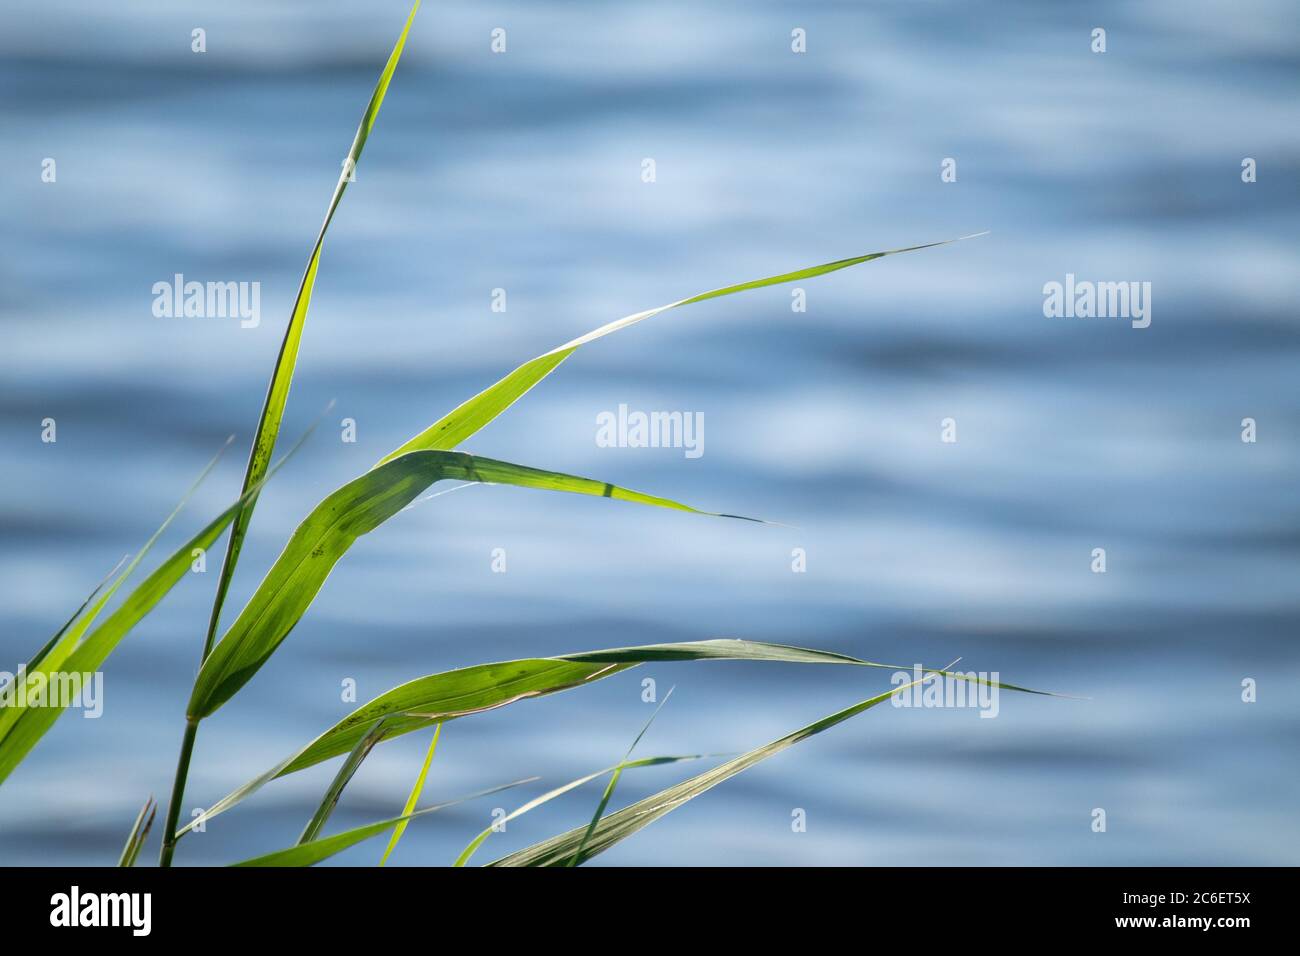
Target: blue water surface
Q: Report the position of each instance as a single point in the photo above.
(522, 171)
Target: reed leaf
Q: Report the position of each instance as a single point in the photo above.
(26, 725)
(617, 775)
(277, 391)
(49, 645)
(341, 780)
(313, 852)
(550, 795)
(139, 833)
(470, 690)
(55, 652)
(328, 532)
(470, 416)
(268, 424)
(581, 844)
(414, 798)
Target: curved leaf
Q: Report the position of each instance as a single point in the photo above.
(536, 802)
(340, 781)
(49, 658)
(470, 416)
(277, 390)
(29, 724)
(616, 775)
(581, 844)
(312, 852)
(54, 641)
(268, 423)
(328, 532)
(471, 690)
(414, 798)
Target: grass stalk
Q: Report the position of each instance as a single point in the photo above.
(178, 793)
(268, 424)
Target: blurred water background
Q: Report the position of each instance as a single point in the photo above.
(522, 171)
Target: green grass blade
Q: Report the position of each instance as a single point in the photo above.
(26, 725)
(341, 780)
(470, 416)
(277, 391)
(56, 651)
(614, 778)
(595, 817)
(471, 690)
(139, 833)
(272, 416)
(40, 655)
(414, 798)
(329, 531)
(550, 795)
(309, 854)
(49, 658)
(618, 826)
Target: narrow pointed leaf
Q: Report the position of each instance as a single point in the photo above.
(29, 724)
(550, 795)
(470, 416)
(340, 781)
(329, 531)
(52, 656)
(277, 392)
(414, 797)
(40, 655)
(614, 778)
(74, 634)
(618, 826)
(313, 852)
(139, 833)
(482, 687)
(595, 817)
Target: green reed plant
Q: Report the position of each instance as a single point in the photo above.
(356, 508)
